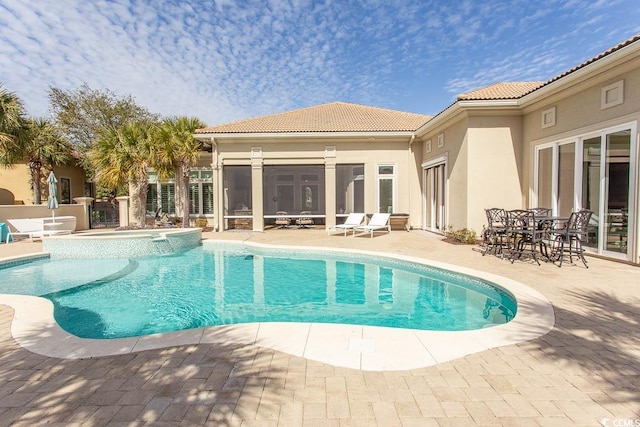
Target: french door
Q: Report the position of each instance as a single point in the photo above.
(434, 184)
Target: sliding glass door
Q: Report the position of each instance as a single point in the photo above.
(595, 172)
(434, 193)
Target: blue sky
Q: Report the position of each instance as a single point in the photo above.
(230, 60)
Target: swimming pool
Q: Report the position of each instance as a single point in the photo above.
(231, 284)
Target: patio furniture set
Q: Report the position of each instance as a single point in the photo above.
(304, 220)
(536, 234)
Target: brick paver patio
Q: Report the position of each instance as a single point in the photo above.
(586, 369)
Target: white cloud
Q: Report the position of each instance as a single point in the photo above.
(224, 61)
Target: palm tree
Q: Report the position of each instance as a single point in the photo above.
(178, 152)
(42, 145)
(123, 156)
(12, 122)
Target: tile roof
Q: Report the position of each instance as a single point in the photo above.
(505, 90)
(607, 52)
(333, 117)
(515, 90)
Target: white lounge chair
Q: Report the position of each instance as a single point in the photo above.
(352, 221)
(32, 227)
(379, 221)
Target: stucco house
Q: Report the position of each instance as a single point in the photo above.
(568, 143)
(15, 184)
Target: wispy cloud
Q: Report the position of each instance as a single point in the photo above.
(230, 60)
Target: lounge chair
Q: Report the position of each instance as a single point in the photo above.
(33, 228)
(379, 221)
(352, 221)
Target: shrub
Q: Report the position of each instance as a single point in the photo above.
(465, 235)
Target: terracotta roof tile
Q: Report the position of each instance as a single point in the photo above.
(333, 117)
(515, 90)
(607, 52)
(505, 90)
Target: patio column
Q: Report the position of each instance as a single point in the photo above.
(86, 221)
(123, 210)
(256, 194)
(218, 199)
(330, 192)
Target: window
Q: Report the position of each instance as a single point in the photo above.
(566, 178)
(194, 199)
(162, 194)
(152, 198)
(65, 191)
(207, 198)
(201, 192)
(545, 178)
(168, 198)
(386, 186)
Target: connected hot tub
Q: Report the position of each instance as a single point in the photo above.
(122, 244)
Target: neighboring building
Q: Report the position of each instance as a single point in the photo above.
(567, 143)
(15, 185)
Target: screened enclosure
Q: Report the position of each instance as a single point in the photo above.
(238, 211)
(349, 189)
(294, 190)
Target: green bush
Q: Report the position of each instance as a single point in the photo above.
(465, 235)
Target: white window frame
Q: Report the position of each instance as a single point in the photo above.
(443, 193)
(579, 140)
(392, 177)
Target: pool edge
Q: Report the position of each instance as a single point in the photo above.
(359, 347)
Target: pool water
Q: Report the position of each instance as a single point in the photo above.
(209, 285)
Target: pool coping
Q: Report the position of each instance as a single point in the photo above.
(368, 348)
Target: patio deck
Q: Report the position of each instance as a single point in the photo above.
(586, 369)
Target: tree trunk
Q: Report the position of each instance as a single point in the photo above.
(36, 185)
(138, 193)
(179, 196)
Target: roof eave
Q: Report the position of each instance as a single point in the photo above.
(301, 135)
(579, 74)
(464, 105)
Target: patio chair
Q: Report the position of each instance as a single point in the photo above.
(524, 234)
(352, 221)
(305, 222)
(541, 211)
(495, 237)
(570, 239)
(379, 221)
(282, 220)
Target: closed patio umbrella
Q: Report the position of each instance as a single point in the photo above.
(52, 201)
